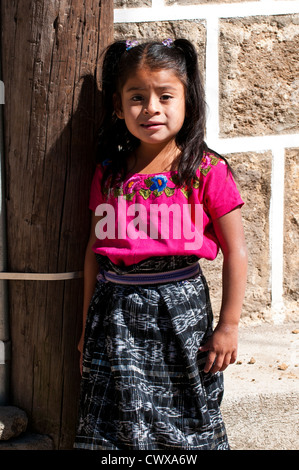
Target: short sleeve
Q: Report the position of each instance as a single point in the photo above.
(221, 194)
(95, 197)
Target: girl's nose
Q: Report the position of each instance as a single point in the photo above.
(152, 106)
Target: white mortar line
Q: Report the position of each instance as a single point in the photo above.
(276, 229)
(160, 12)
(256, 143)
(212, 81)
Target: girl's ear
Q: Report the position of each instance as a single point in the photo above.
(117, 106)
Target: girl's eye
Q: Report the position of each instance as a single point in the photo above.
(166, 97)
(136, 98)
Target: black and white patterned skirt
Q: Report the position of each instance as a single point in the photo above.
(143, 385)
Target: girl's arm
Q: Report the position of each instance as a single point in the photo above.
(91, 270)
(223, 344)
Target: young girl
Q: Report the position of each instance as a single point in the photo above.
(161, 200)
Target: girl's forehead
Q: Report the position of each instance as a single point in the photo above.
(147, 77)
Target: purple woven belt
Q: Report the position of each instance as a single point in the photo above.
(150, 278)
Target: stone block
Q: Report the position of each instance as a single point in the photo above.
(13, 422)
(28, 441)
(291, 226)
(259, 80)
(193, 30)
(253, 178)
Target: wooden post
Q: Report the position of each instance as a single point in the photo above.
(51, 61)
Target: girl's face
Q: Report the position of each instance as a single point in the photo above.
(152, 103)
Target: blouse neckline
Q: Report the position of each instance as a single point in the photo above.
(132, 173)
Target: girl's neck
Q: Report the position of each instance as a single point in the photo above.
(154, 160)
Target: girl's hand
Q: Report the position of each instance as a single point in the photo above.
(222, 347)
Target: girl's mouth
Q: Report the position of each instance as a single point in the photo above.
(152, 125)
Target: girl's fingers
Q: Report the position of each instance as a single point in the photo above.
(210, 361)
(233, 357)
(218, 363)
(226, 362)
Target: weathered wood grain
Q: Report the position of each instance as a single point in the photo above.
(51, 61)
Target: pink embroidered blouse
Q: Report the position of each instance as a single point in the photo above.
(150, 215)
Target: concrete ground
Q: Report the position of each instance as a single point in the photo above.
(261, 400)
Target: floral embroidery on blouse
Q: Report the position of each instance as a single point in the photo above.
(206, 163)
(161, 184)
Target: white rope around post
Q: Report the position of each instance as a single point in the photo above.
(40, 276)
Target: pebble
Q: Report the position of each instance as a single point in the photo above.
(282, 366)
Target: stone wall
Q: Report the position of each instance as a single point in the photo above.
(248, 53)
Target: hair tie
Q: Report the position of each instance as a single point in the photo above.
(167, 42)
(130, 44)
